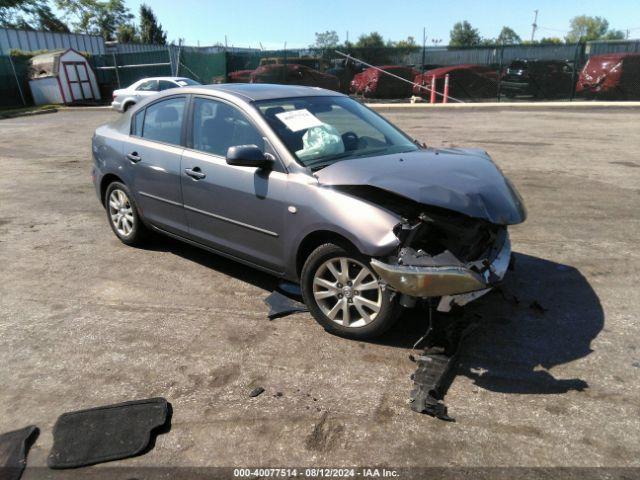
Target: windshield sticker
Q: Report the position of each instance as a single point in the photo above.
(297, 120)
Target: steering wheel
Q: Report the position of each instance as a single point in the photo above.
(350, 140)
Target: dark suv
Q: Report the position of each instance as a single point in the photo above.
(537, 78)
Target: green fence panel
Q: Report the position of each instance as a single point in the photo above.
(203, 67)
(9, 89)
(131, 68)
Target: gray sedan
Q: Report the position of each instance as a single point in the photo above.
(310, 185)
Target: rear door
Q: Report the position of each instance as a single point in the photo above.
(146, 89)
(237, 210)
(154, 152)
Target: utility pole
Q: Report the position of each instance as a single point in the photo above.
(534, 25)
(347, 42)
(424, 46)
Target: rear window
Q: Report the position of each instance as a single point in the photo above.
(183, 82)
(163, 121)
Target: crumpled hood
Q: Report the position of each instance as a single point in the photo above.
(463, 180)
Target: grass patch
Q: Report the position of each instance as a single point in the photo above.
(8, 112)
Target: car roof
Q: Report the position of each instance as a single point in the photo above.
(160, 78)
(263, 91)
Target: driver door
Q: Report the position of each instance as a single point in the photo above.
(236, 210)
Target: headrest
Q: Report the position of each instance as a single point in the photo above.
(167, 114)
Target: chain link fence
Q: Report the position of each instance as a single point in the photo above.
(557, 72)
(562, 72)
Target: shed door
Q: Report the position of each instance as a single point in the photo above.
(78, 80)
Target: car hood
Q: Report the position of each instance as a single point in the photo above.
(463, 180)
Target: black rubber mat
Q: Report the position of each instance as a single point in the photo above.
(14, 447)
(108, 433)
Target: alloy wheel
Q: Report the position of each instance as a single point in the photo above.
(121, 212)
(347, 292)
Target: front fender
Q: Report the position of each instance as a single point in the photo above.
(324, 209)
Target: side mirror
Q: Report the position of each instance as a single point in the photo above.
(249, 156)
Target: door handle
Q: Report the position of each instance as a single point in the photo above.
(195, 173)
(134, 157)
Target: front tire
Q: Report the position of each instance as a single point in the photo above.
(123, 216)
(342, 293)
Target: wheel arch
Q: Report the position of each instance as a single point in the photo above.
(127, 104)
(319, 237)
(107, 180)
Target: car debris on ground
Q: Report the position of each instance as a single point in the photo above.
(14, 448)
(285, 300)
(256, 391)
(107, 433)
(438, 364)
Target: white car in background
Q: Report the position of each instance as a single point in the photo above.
(125, 98)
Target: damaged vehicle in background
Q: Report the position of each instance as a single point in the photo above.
(310, 185)
(465, 81)
(614, 76)
(373, 83)
(294, 74)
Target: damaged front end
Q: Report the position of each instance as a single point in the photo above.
(458, 261)
(448, 255)
(455, 205)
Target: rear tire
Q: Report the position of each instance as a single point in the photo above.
(342, 293)
(123, 216)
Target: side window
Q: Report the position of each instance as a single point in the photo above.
(166, 85)
(163, 121)
(137, 121)
(148, 86)
(218, 126)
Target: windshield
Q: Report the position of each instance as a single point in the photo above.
(183, 82)
(319, 131)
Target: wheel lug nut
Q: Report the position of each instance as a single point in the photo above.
(350, 300)
(339, 295)
(339, 285)
(356, 292)
(349, 283)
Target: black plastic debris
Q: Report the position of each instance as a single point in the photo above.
(290, 289)
(107, 433)
(281, 305)
(437, 365)
(14, 448)
(429, 380)
(256, 391)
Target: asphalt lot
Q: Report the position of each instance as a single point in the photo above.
(87, 321)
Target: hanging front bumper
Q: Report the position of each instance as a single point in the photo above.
(443, 280)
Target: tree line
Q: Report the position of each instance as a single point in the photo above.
(110, 19)
(582, 28)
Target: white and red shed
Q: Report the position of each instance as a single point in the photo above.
(62, 77)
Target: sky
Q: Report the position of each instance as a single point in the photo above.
(247, 23)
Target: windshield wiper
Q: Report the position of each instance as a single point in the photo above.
(327, 160)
